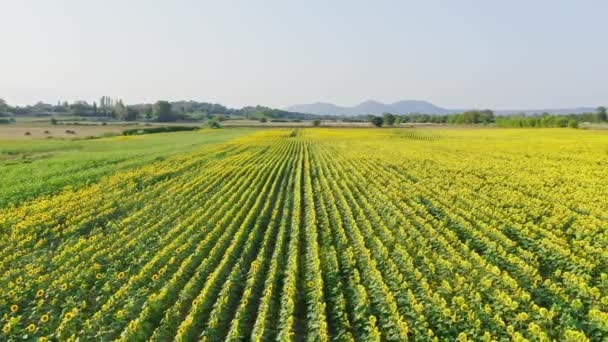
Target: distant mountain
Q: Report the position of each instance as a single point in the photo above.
(371, 107)
(414, 106)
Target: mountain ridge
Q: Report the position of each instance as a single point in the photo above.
(412, 106)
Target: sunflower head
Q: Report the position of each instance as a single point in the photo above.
(40, 293)
(14, 308)
(31, 328)
(44, 318)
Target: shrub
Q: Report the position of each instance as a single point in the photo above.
(163, 129)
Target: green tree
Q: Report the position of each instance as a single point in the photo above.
(376, 120)
(80, 108)
(487, 116)
(471, 117)
(573, 123)
(601, 113)
(3, 106)
(120, 110)
(148, 112)
(316, 123)
(388, 119)
(163, 112)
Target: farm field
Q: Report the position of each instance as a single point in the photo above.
(307, 234)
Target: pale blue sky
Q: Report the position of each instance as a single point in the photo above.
(457, 54)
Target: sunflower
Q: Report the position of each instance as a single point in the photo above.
(6, 329)
(99, 276)
(69, 316)
(64, 286)
(40, 293)
(43, 339)
(155, 277)
(44, 318)
(31, 328)
(120, 275)
(14, 308)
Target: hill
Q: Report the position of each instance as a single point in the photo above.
(371, 107)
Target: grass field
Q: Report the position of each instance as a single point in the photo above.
(307, 234)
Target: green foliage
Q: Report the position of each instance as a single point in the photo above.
(601, 114)
(163, 129)
(4, 108)
(376, 120)
(544, 121)
(388, 119)
(316, 122)
(214, 123)
(163, 112)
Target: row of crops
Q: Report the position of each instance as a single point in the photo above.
(322, 234)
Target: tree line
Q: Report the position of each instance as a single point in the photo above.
(487, 117)
(111, 108)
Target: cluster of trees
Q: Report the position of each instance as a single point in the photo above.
(271, 114)
(110, 108)
(548, 120)
(487, 116)
(469, 117)
(536, 121)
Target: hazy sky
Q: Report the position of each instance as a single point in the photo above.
(458, 54)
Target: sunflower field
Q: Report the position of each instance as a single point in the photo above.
(312, 234)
